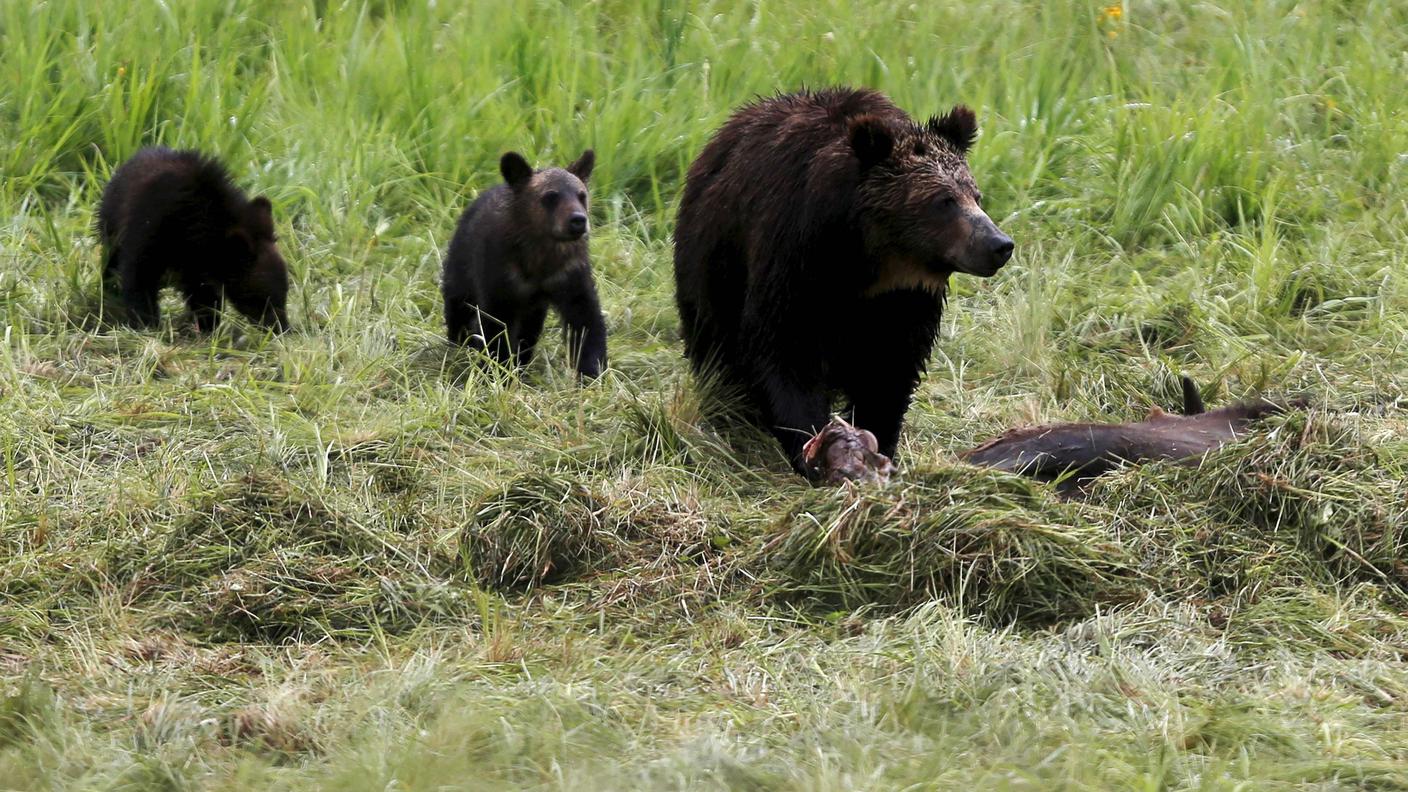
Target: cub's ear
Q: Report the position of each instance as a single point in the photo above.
(259, 217)
(582, 168)
(958, 126)
(515, 169)
(871, 139)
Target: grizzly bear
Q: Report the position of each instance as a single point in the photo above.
(520, 249)
(815, 239)
(176, 217)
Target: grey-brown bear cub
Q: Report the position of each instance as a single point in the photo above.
(520, 249)
(176, 217)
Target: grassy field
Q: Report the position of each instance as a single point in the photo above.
(348, 558)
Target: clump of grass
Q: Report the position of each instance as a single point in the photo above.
(550, 527)
(259, 560)
(993, 544)
(271, 727)
(540, 527)
(25, 711)
(1308, 500)
(310, 568)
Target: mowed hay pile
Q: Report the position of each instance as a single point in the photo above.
(1310, 500)
(256, 558)
(1306, 500)
(562, 526)
(289, 564)
(992, 543)
(538, 528)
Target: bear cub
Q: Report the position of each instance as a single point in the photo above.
(175, 218)
(518, 250)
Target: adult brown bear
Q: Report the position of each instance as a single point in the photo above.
(815, 239)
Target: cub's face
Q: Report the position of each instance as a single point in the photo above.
(261, 291)
(920, 209)
(555, 198)
(560, 202)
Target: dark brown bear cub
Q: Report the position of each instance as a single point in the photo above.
(175, 216)
(816, 235)
(520, 249)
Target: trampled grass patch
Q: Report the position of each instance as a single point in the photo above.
(251, 560)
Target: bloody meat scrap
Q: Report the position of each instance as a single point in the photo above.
(841, 452)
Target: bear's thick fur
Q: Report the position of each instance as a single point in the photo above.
(815, 239)
(520, 249)
(176, 216)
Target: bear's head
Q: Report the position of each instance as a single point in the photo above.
(260, 288)
(920, 211)
(552, 201)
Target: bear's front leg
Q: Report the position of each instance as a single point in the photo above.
(205, 302)
(879, 408)
(586, 327)
(797, 408)
(140, 293)
(525, 332)
(879, 379)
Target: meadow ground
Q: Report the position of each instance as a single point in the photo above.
(347, 558)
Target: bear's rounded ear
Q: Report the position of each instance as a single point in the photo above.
(582, 168)
(871, 139)
(958, 126)
(259, 218)
(261, 211)
(515, 169)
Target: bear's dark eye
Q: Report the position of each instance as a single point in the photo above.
(582, 197)
(550, 198)
(945, 203)
(978, 199)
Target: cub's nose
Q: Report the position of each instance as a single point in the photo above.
(1001, 249)
(577, 224)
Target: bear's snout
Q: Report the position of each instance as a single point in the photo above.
(577, 225)
(988, 249)
(1000, 249)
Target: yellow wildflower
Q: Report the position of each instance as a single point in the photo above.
(1108, 18)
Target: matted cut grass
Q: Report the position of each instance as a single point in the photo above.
(983, 542)
(1311, 500)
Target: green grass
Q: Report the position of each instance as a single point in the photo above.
(347, 558)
